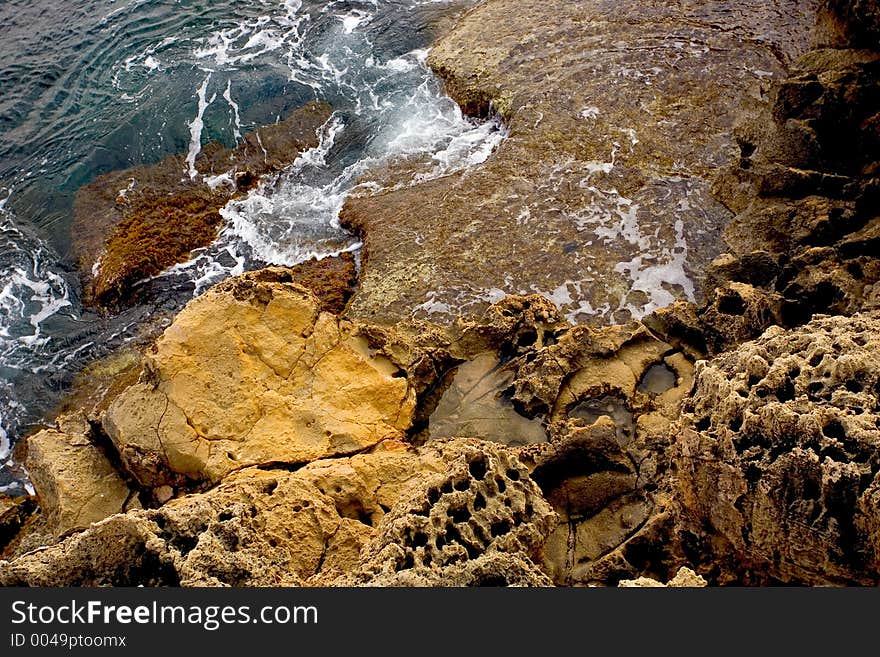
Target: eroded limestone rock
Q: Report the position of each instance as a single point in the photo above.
(684, 578)
(256, 528)
(253, 372)
(75, 482)
(781, 449)
(481, 522)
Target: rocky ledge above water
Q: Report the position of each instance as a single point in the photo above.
(132, 224)
(277, 435)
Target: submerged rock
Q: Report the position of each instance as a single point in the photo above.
(618, 114)
(132, 224)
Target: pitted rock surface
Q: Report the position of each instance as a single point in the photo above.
(484, 505)
(781, 450)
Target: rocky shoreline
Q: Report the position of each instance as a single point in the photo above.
(309, 427)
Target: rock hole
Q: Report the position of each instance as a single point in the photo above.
(269, 487)
(611, 406)
(420, 539)
(433, 496)
(478, 468)
(502, 485)
(500, 528)
(527, 339)
(816, 359)
(453, 536)
(460, 515)
(703, 424)
(446, 487)
(835, 430)
(479, 502)
(462, 485)
(731, 304)
(854, 386)
(785, 392)
(225, 516)
(513, 474)
(736, 424)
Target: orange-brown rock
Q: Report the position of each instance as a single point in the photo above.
(131, 224)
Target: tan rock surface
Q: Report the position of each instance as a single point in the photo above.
(480, 522)
(75, 482)
(252, 372)
(618, 114)
(256, 528)
(684, 578)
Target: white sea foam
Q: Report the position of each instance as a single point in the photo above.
(195, 128)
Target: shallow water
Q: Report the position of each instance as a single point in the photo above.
(92, 86)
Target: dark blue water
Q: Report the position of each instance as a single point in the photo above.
(89, 86)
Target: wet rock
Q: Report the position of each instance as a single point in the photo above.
(684, 578)
(779, 454)
(131, 224)
(332, 280)
(253, 372)
(257, 528)
(599, 197)
(473, 406)
(76, 483)
(480, 523)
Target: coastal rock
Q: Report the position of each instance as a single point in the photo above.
(131, 224)
(779, 453)
(849, 23)
(617, 115)
(75, 482)
(253, 372)
(481, 522)
(805, 187)
(684, 578)
(257, 528)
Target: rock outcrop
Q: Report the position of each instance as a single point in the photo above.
(76, 483)
(259, 527)
(684, 578)
(132, 224)
(481, 522)
(780, 450)
(805, 189)
(253, 372)
(618, 115)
